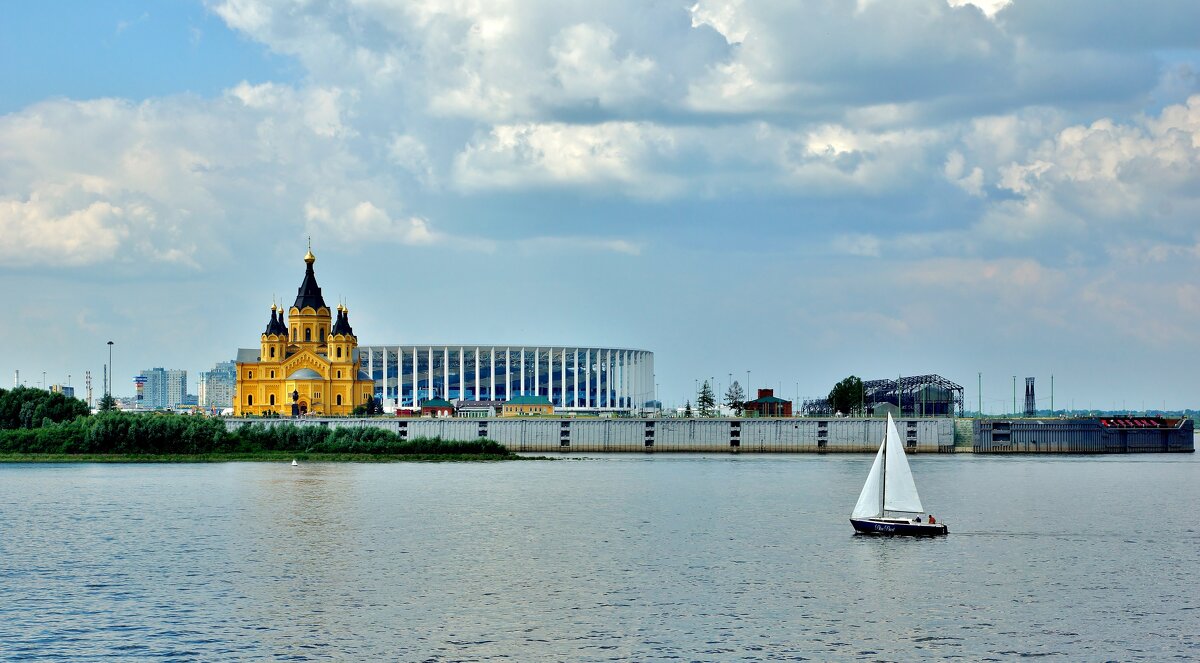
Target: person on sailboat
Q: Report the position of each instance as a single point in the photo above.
(932, 520)
(918, 519)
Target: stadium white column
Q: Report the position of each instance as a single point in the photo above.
(587, 378)
(622, 356)
(384, 397)
(521, 391)
(462, 373)
(475, 396)
(637, 381)
(633, 384)
(575, 380)
(562, 378)
(507, 374)
(415, 397)
(430, 369)
(609, 388)
(537, 365)
(371, 368)
(601, 364)
(446, 372)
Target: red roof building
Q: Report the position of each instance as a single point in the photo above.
(768, 405)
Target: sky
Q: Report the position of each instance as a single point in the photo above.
(801, 189)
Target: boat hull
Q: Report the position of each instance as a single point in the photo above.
(890, 527)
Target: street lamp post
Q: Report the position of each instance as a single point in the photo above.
(108, 385)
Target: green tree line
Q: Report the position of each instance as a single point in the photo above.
(30, 408)
(35, 422)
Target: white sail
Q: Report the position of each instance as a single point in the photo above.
(900, 492)
(870, 500)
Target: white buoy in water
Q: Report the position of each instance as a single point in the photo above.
(294, 463)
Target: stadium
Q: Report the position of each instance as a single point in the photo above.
(574, 378)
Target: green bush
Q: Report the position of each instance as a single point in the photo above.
(30, 408)
(165, 434)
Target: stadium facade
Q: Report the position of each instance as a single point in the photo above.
(574, 378)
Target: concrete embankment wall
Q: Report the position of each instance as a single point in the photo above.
(929, 435)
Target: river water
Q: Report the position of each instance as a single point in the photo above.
(623, 557)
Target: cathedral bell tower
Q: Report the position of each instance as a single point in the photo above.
(342, 340)
(275, 337)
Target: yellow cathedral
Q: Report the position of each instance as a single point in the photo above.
(306, 364)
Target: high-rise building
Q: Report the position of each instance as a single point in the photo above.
(217, 385)
(164, 388)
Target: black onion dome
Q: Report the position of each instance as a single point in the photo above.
(280, 325)
(309, 293)
(273, 325)
(342, 324)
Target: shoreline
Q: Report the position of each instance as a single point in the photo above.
(263, 457)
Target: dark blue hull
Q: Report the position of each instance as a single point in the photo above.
(893, 527)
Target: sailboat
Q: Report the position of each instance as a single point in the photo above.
(889, 503)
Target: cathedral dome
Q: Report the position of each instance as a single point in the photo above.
(305, 374)
(309, 293)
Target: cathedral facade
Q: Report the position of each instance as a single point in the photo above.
(306, 363)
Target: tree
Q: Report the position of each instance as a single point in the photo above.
(847, 396)
(687, 410)
(107, 404)
(735, 398)
(706, 400)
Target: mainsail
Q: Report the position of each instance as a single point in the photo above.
(900, 492)
(890, 485)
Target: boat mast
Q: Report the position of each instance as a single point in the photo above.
(883, 475)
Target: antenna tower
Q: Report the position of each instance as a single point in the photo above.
(1030, 399)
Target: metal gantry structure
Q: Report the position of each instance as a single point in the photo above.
(915, 396)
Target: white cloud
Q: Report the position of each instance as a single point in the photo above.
(1106, 177)
(615, 154)
(35, 232)
(988, 7)
(587, 68)
(954, 170)
(366, 221)
(858, 245)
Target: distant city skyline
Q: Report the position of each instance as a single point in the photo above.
(801, 190)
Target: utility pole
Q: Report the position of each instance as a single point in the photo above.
(1014, 410)
(979, 390)
(108, 383)
(1052, 394)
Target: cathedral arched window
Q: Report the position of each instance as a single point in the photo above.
(322, 334)
(339, 399)
(308, 333)
(272, 374)
(249, 375)
(272, 352)
(339, 353)
(272, 399)
(249, 399)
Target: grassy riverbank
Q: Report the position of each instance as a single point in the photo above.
(264, 457)
(36, 426)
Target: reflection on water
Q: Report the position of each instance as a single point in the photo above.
(622, 557)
